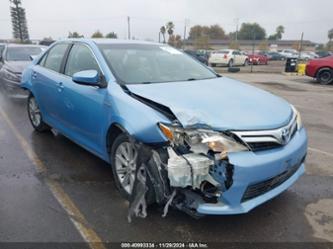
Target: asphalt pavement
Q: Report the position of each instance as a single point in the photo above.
(52, 190)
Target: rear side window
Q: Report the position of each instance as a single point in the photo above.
(55, 56)
(80, 58)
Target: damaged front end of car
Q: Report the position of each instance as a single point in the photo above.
(191, 169)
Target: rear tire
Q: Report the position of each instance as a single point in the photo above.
(231, 63)
(246, 63)
(35, 116)
(325, 76)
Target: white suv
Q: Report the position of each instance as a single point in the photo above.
(228, 57)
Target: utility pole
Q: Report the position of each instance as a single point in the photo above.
(186, 22)
(128, 28)
(237, 22)
(300, 46)
(253, 46)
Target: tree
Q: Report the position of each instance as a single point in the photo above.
(195, 32)
(74, 35)
(163, 30)
(175, 41)
(278, 34)
(169, 28)
(330, 37)
(231, 36)
(215, 32)
(248, 31)
(97, 34)
(19, 21)
(112, 35)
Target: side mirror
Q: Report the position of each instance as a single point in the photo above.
(88, 78)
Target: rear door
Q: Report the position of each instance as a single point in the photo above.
(47, 82)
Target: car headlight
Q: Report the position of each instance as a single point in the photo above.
(298, 118)
(10, 75)
(201, 139)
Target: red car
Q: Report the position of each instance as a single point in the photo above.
(321, 69)
(258, 59)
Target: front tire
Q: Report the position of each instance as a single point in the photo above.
(124, 165)
(325, 76)
(35, 115)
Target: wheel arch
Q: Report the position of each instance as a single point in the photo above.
(114, 130)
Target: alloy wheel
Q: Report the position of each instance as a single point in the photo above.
(34, 112)
(125, 164)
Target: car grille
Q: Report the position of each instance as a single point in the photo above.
(263, 187)
(268, 139)
(258, 146)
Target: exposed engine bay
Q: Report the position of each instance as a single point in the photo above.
(192, 168)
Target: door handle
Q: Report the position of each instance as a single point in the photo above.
(34, 75)
(60, 86)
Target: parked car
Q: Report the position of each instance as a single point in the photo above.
(2, 47)
(312, 55)
(15, 58)
(289, 53)
(203, 143)
(199, 56)
(228, 57)
(275, 56)
(257, 59)
(321, 69)
(322, 54)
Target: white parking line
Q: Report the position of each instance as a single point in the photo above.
(76, 217)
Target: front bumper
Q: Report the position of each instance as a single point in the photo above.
(12, 89)
(251, 168)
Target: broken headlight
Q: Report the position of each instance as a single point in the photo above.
(298, 118)
(201, 140)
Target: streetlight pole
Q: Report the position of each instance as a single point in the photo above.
(237, 22)
(128, 28)
(186, 22)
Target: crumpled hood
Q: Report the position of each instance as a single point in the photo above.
(221, 103)
(16, 66)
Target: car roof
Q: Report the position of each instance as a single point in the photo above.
(113, 41)
(23, 45)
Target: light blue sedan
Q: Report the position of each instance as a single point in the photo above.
(173, 131)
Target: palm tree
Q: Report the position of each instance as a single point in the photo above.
(279, 32)
(162, 31)
(169, 27)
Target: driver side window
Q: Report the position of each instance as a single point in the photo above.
(80, 58)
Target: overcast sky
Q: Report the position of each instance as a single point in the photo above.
(56, 18)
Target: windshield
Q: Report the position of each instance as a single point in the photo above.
(22, 53)
(143, 63)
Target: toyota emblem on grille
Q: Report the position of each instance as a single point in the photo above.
(285, 135)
